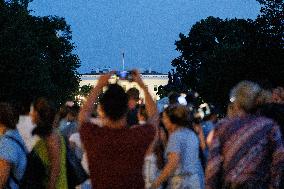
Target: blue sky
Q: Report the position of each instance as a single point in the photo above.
(145, 30)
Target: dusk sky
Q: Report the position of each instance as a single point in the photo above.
(145, 30)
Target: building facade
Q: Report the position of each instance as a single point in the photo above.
(152, 81)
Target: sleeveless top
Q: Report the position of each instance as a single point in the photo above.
(41, 149)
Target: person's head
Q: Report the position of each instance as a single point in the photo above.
(231, 111)
(162, 131)
(62, 113)
(274, 111)
(142, 113)
(72, 112)
(278, 95)
(133, 97)
(264, 97)
(173, 98)
(43, 115)
(68, 111)
(24, 107)
(211, 115)
(176, 116)
(190, 97)
(244, 96)
(114, 102)
(8, 116)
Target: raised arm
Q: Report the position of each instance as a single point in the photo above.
(213, 172)
(4, 172)
(86, 110)
(53, 148)
(170, 167)
(150, 105)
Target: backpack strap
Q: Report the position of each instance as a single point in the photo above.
(12, 176)
(18, 142)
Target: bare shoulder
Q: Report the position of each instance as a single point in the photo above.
(53, 138)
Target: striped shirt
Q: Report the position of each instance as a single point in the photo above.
(245, 153)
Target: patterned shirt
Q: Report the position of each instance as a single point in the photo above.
(245, 153)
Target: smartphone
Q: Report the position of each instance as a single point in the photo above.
(124, 75)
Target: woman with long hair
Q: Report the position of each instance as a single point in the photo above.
(51, 146)
(183, 168)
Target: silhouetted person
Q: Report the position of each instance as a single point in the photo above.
(115, 152)
(133, 98)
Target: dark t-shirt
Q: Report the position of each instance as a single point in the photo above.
(132, 117)
(116, 156)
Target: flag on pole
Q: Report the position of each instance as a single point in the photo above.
(122, 61)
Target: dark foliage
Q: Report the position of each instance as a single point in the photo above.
(36, 55)
(217, 54)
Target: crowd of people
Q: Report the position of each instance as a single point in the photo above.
(123, 144)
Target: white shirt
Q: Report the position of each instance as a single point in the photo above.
(150, 170)
(142, 122)
(76, 139)
(25, 128)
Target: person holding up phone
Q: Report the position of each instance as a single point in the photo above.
(115, 153)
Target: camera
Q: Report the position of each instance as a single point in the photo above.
(124, 75)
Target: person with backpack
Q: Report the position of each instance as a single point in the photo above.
(12, 149)
(51, 148)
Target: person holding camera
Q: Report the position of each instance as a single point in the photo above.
(115, 153)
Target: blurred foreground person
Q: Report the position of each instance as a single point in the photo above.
(183, 168)
(12, 149)
(51, 147)
(68, 124)
(278, 95)
(154, 158)
(133, 98)
(115, 153)
(25, 125)
(246, 150)
(142, 114)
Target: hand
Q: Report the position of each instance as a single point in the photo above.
(154, 185)
(136, 78)
(103, 80)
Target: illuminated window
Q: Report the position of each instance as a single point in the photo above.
(155, 88)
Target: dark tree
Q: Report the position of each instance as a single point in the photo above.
(174, 85)
(270, 22)
(194, 49)
(36, 55)
(216, 54)
(85, 90)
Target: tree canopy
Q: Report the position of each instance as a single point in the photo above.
(216, 54)
(36, 54)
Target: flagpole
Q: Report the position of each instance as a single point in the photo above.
(123, 61)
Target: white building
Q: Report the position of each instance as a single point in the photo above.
(151, 79)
